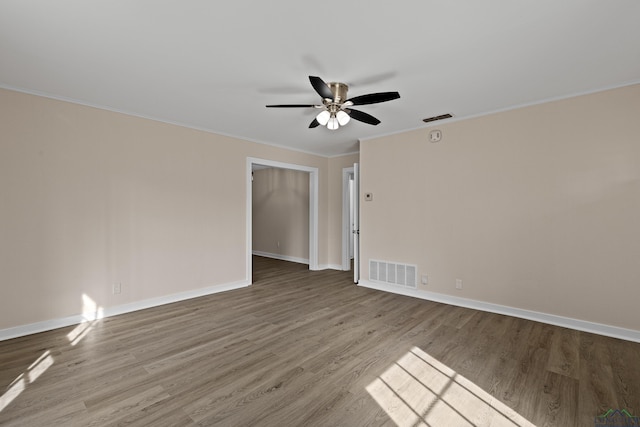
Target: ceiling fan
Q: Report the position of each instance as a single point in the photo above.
(336, 108)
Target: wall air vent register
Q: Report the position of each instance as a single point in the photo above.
(395, 273)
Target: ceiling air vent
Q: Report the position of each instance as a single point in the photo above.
(441, 117)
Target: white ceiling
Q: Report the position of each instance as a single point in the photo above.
(214, 65)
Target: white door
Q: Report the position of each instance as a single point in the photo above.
(351, 216)
(356, 222)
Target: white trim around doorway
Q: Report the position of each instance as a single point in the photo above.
(313, 209)
(346, 220)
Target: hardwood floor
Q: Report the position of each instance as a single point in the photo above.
(303, 348)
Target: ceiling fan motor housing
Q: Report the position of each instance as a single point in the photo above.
(339, 91)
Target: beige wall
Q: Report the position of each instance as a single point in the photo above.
(280, 220)
(536, 208)
(91, 197)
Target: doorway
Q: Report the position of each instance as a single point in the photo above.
(313, 209)
(350, 220)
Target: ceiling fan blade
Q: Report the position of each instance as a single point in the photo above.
(321, 87)
(363, 117)
(373, 98)
(314, 124)
(293, 106)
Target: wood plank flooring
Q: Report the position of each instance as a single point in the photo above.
(303, 348)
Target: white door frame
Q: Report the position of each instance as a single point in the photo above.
(313, 209)
(356, 223)
(347, 232)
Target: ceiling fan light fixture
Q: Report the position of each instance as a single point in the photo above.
(343, 117)
(323, 117)
(336, 109)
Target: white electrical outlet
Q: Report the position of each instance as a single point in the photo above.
(117, 288)
(458, 283)
(425, 279)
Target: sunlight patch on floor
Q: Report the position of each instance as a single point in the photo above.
(418, 390)
(38, 367)
(20, 383)
(14, 391)
(90, 313)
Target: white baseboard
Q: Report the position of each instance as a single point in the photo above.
(281, 257)
(34, 328)
(298, 260)
(48, 325)
(566, 322)
(552, 319)
(330, 267)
